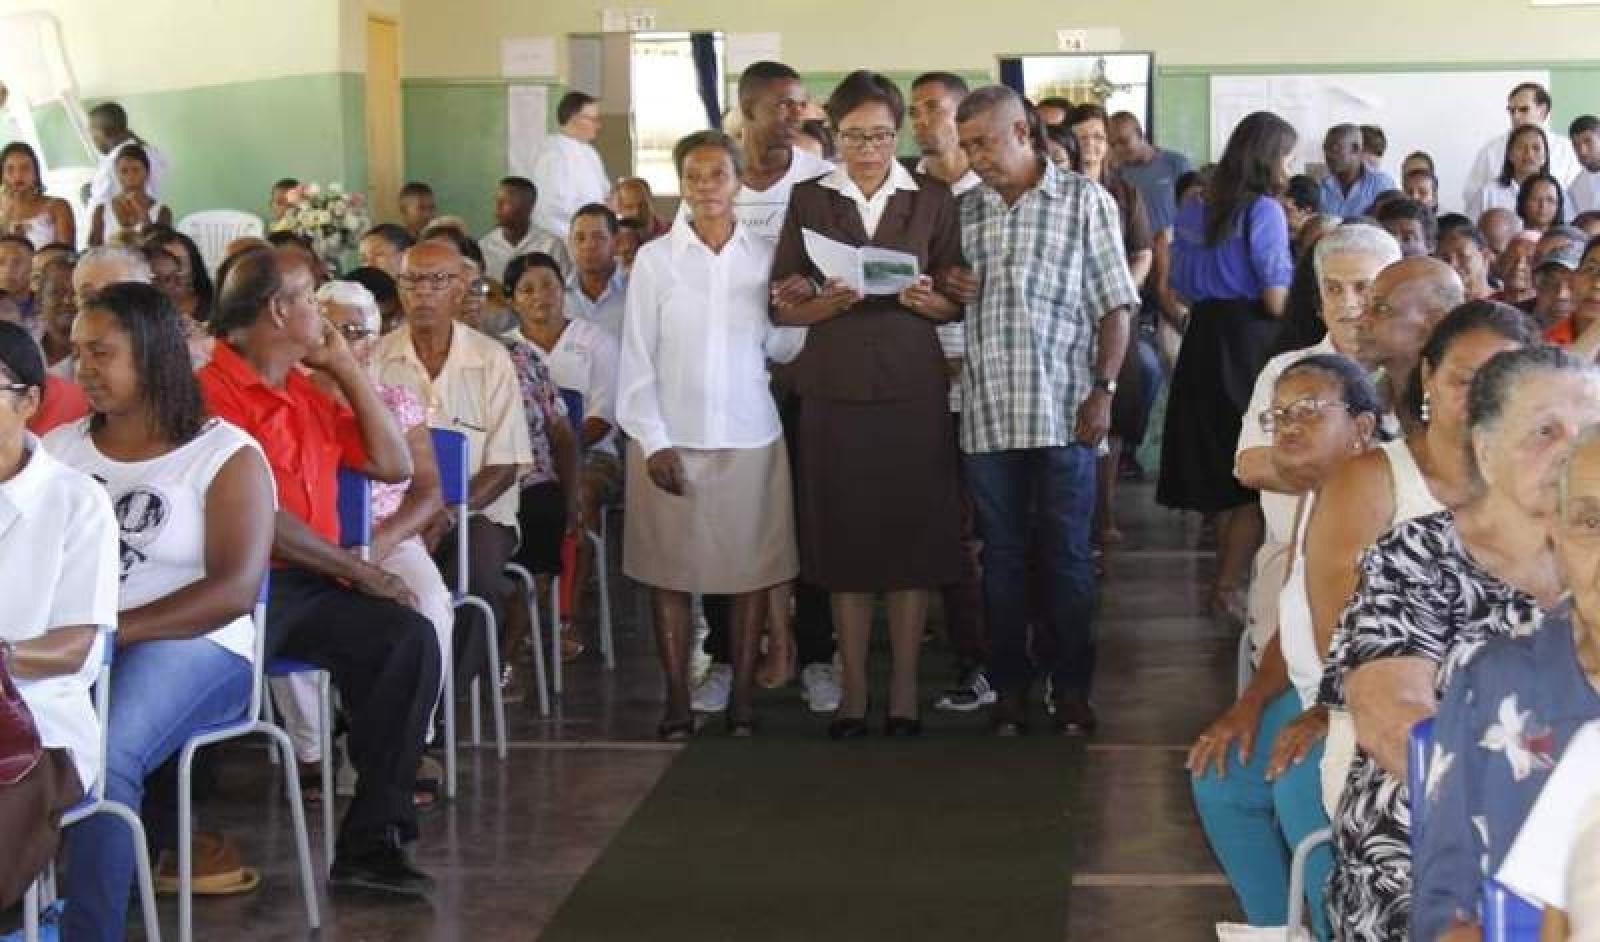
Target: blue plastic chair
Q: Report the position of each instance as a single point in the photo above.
(253, 721)
(1508, 917)
(1420, 745)
(42, 891)
(355, 532)
(450, 449)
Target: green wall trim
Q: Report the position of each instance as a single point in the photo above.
(1332, 68)
(472, 81)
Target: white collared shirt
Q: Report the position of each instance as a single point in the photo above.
(1584, 193)
(584, 360)
(1563, 164)
(605, 311)
(696, 341)
(476, 393)
(871, 208)
(498, 251)
(569, 174)
(103, 185)
(58, 568)
(762, 211)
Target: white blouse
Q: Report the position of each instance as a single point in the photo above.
(696, 341)
(584, 360)
(58, 568)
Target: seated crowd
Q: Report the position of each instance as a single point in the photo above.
(1391, 418)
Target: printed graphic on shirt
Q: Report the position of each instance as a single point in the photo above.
(141, 515)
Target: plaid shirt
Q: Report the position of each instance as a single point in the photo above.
(1050, 267)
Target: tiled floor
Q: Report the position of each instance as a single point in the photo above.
(522, 832)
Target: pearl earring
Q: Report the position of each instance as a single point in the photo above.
(1427, 407)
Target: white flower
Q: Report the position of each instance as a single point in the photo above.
(1525, 749)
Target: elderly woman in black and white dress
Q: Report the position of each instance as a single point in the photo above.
(709, 501)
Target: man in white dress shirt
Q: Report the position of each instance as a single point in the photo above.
(108, 128)
(1583, 190)
(515, 203)
(1529, 104)
(569, 172)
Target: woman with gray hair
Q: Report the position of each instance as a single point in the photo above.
(399, 514)
(1433, 590)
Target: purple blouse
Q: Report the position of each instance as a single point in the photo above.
(1237, 268)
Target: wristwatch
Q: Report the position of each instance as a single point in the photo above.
(1108, 386)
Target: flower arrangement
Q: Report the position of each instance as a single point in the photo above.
(328, 217)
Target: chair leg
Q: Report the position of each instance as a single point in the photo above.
(141, 859)
(297, 814)
(266, 715)
(1297, 876)
(186, 842)
(30, 913)
(556, 627)
(474, 695)
(603, 578)
(536, 630)
(325, 707)
(492, 647)
(449, 708)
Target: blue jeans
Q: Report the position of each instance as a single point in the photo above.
(1044, 495)
(1254, 825)
(161, 693)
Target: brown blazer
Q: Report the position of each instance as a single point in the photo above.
(877, 350)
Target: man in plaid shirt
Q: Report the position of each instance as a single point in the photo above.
(1048, 301)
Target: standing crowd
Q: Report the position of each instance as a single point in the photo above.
(1389, 417)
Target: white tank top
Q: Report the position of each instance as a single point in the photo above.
(1412, 499)
(160, 506)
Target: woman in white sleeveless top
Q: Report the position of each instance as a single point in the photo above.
(25, 209)
(1256, 797)
(194, 501)
(1426, 472)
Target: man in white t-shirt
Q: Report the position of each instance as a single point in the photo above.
(515, 202)
(1529, 103)
(569, 172)
(1583, 191)
(108, 128)
(772, 107)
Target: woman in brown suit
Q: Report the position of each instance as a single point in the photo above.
(875, 463)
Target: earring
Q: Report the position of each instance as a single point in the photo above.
(1427, 407)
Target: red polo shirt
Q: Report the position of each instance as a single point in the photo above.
(305, 434)
(1562, 333)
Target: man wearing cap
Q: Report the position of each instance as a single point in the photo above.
(1560, 251)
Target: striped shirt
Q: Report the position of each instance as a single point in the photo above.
(1050, 266)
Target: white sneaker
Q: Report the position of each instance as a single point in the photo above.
(820, 688)
(711, 695)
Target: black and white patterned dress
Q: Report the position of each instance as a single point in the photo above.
(1421, 595)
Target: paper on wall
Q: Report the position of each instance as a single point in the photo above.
(528, 57)
(869, 270)
(740, 50)
(527, 117)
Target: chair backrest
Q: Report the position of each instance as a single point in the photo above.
(451, 451)
(355, 510)
(1420, 745)
(213, 229)
(106, 638)
(574, 403)
(258, 669)
(1508, 917)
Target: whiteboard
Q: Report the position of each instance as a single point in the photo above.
(1450, 115)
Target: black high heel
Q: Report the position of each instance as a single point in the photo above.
(848, 727)
(902, 726)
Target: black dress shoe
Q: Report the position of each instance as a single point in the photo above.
(1009, 717)
(741, 728)
(1075, 716)
(675, 730)
(382, 868)
(902, 726)
(848, 727)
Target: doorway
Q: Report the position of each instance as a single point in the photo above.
(383, 117)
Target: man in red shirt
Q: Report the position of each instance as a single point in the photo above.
(327, 606)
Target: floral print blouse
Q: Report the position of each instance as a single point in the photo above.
(542, 403)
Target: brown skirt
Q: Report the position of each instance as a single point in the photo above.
(731, 532)
(30, 819)
(879, 498)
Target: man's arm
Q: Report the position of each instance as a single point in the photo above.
(1111, 343)
(295, 543)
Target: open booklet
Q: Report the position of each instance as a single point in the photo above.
(867, 269)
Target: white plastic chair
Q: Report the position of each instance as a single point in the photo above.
(213, 229)
(42, 891)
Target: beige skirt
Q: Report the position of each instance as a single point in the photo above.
(732, 531)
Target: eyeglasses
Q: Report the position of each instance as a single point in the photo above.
(479, 288)
(435, 281)
(1301, 412)
(18, 388)
(355, 332)
(854, 138)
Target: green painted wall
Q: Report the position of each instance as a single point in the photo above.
(228, 143)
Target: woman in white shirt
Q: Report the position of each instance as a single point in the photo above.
(710, 506)
(1256, 768)
(1527, 153)
(193, 499)
(25, 208)
(58, 586)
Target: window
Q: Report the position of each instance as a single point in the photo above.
(666, 102)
